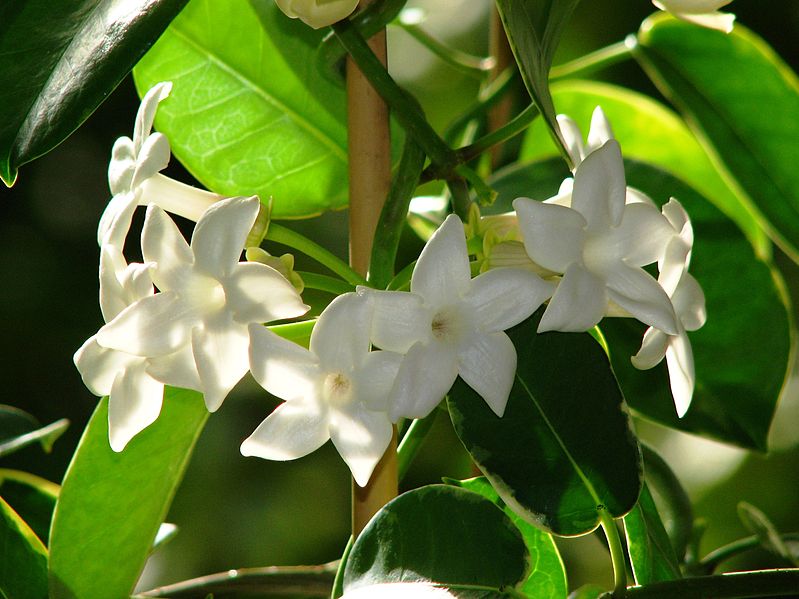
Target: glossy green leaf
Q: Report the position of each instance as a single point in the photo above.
(547, 579)
(60, 60)
(742, 101)
(251, 117)
(23, 566)
(442, 534)
(112, 504)
(534, 28)
(761, 526)
(45, 435)
(564, 447)
(32, 497)
(738, 382)
(650, 132)
(651, 554)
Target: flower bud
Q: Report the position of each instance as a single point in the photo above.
(317, 13)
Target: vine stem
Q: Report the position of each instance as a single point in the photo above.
(599, 59)
(616, 553)
(369, 148)
(412, 442)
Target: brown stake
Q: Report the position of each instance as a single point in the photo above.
(499, 48)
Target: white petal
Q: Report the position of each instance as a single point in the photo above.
(578, 303)
(99, 366)
(376, 377)
(283, 368)
(653, 349)
(680, 359)
(691, 6)
(121, 284)
(599, 187)
(673, 264)
(152, 158)
(721, 21)
(553, 235)
(689, 303)
(154, 326)
(293, 430)
(399, 319)
(219, 236)
(504, 297)
(488, 365)
(258, 293)
(220, 350)
(399, 590)
(572, 137)
(361, 436)
(340, 338)
(133, 405)
(442, 271)
(642, 235)
(638, 293)
(678, 218)
(322, 14)
(163, 244)
(600, 131)
(146, 113)
(122, 166)
(425, 376)
(115, 220)
(635, 196)
(177, 369)
(176, 197)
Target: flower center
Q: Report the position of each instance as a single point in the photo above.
(445, 325)
(205, 293)
(337, 389)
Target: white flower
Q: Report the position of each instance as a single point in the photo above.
(599, 132)
(336, 390)
(450, 325)
(700, 12)
(689, 304)
(135, 180)
(399, 590)
(317, 13)
(599, 244)
(207, 300)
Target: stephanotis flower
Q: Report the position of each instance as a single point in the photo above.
(207, 298)
(599, 132)
(337, 389)
(317, 13)
(689, 303)
(700, 12)
(450, 324)
(599, 244)
(135, 179)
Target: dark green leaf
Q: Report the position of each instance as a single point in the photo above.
(251, 117)
(651, 553)
(534, 28)
(45, 435)
(738, 383)
(60, 60)
(23, 567)
(112, 504)
(759, 524)
(547, 579)
(650, 132)
(33, 498)
(564, 447)
(15, 422)
(442, 534)
(742, 101)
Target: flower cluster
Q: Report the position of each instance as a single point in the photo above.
(374, 356)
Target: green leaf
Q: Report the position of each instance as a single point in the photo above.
(761, 526)
(23, 567)
(588, 591)
(442, 534)
(650, 132)
(742, 101)
(737, 383)
(564, 447)
(534, 28)
(32, 497)
(112, 504)
(60, 60)
(251, 117)
(19, 429)
(651, 553)
(547, 579)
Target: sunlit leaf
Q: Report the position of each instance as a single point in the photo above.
(564, 447)
(742, 101)
(651, 554)
(32, 497)
(761, 526)
(23, 567)
(112, 504)
(251, 117)
(60, 60)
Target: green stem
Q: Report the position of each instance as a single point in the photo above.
(292, 239)
(518, 124)
(461, 61)
(616, 553)
(412, 442)
(392, 217)
(716, 557)
(461, 202)
(732, 585)
(319, 282)
(599, 59)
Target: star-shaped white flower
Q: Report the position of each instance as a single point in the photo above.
(450, 324)
(599, 244)
(599, 132)
(135, 180)
(689, 303)
(700, 12)
(336, 390)
(207, 299)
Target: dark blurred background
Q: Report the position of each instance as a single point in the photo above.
(237, 512)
